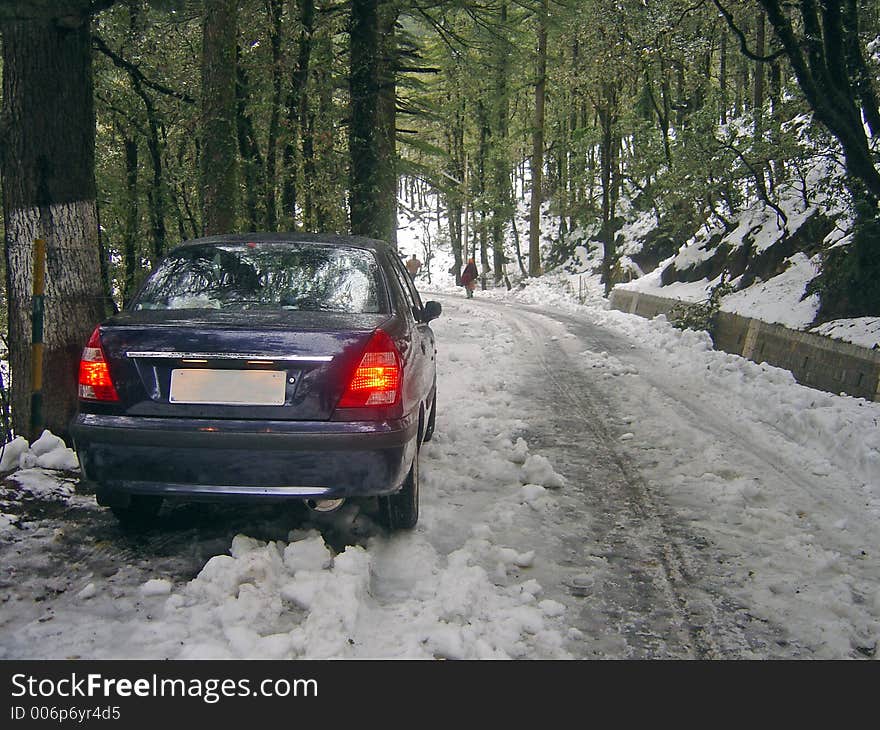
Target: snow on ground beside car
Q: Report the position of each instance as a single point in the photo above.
(36, 464)
(455, 587)
(48, 452)
(395, 598)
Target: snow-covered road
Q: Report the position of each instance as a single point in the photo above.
(599, 486)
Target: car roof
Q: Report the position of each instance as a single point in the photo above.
(330, 239)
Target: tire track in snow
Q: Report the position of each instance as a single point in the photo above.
(815, 569)
(643, 546)
(708, 625)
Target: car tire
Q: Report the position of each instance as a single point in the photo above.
(429, 426)
(141, 511)
(400, 511)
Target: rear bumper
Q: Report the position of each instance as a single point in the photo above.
(213, 459)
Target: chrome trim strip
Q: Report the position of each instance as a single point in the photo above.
(152, 354)
(223, 489)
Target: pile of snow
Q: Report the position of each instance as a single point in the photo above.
(47, 452)
(395, 598)
(299, 600)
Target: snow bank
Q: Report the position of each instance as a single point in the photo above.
(47, 452)
(840, 429)
(300, 600)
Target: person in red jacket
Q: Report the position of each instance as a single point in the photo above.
(469, 278)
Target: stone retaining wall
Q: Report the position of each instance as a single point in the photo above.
(814, 360)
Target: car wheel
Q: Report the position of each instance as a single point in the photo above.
(429, 427)
(140, 512)
(400, 511)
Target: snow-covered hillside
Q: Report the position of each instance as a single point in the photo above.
(766, 260)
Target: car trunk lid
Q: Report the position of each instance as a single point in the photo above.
(210, 364)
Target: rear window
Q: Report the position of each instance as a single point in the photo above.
(261, 275)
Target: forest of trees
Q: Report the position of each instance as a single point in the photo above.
(130, 125)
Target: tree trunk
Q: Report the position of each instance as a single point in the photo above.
(538, 146)
(500, 175)
(130, 234)
(364, 82)
(455, 237)
(454, 138)
(482, 157)
(296, 102)
(387, 132)
(248, 147)
(608, 163)
(218, 168)
(271, 218)
(156, 195)
(373, 187)
(48, 169)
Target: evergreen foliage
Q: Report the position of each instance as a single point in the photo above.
(690, 112)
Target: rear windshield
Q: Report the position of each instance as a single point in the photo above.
(261, 275)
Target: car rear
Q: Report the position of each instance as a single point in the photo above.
(256, 369)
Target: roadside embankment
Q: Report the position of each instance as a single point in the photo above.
(817, 361)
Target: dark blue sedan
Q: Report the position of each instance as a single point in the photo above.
(262, 367)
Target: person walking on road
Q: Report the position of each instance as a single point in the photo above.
(469, 278)
(413, 265)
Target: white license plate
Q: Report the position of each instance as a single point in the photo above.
(228, 387)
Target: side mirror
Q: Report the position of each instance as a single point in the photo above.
(431, 311)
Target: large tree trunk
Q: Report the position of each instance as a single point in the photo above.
(297, 111)
(248, 148)
(271, 219)
(538, 146)
(500, 178)
(610, 143)
(156, 194)
(132, 219)
(373, 187)
(218, 168)
(48, 169)
(387, 132)
(364, 83)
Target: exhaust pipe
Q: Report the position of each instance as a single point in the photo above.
(324, 506)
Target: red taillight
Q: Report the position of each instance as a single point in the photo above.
(376, 380)
(94, 373)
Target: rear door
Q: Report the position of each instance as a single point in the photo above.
(424, 351)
